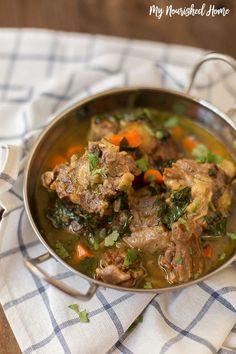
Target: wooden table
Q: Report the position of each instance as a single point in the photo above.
(120, 18)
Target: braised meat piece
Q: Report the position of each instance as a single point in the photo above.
(113, 271)
(96, 178)
(183, 259)
(166, 149)
(102, 127)
(146, 232)
(208, 184)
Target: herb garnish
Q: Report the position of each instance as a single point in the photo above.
(178, 260)
(111, 238)
(142, 164)
(202, 155)
(61, 250)
(162, 134)
(130, 257)
(147, 285)
(83, 315)
(232, 235)
(93, 159)
(99, 171)
(171, 122)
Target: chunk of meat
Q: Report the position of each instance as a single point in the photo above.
(112, 269)
(183, 257)
(228, 167)
(204, 187)
(102, 127)
(93, 190)
(146, 233)
(166, 149)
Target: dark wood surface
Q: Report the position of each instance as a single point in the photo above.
(126, 18)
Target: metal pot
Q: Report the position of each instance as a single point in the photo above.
(200, 111)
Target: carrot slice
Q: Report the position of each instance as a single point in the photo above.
(77, 149)
(155, 173)
(133, 137)
(189, 143)
(176, 132)
(207, 251)
(82, 252)
(57, 160)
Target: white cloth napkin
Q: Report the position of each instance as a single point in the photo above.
(41, 72)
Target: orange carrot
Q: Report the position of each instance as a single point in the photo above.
(207, 251)
(155, 173)
(133, 137)
(189, 143)
(57, 160)
(82, 252)
(77, 149)
(176, 132)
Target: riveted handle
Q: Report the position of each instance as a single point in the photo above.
(209, 57)
(32, 266)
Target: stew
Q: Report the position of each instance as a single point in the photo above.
(138, 198)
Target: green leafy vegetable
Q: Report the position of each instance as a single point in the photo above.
(216, 224)
(162, 134)
(222, 256)
(178, 260)
(93, 159)
(112, 238)
(130, 257)
(83, 315)
(61, 250)
(142, 164)
(99, 171)
(232, 235)
(147, 285)
(179, 202)
(202, 155)
(171, 122)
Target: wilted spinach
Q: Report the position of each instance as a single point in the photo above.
(216, 224)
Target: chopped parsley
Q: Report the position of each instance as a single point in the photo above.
(202, 155)
(83, 315)
(171, 122)
(93, 159)
(142, 164)
(130, 257)
(61, 250)
(99, 171)
(111, 238)
(232, 235)
(147, 285)
(162, 134)
(178, 260)
(222, 256)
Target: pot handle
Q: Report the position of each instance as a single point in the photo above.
(208, 57)
(32, 266)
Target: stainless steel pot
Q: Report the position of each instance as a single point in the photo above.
(200, 111)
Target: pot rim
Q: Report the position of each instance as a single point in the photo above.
(71, 108)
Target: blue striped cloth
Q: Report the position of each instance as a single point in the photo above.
(42, 72)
